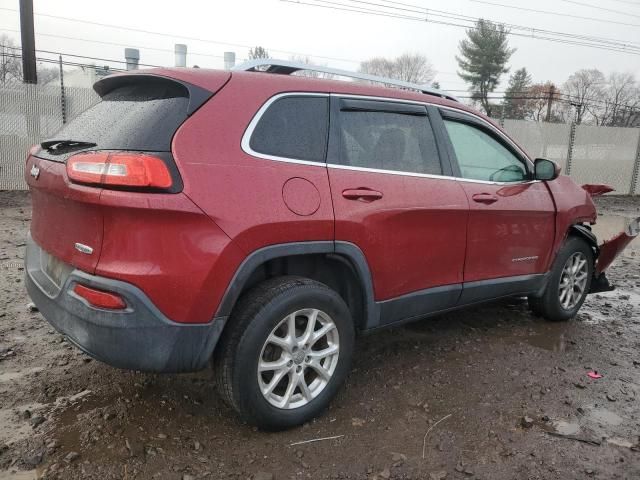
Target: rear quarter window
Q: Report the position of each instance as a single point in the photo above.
(293, 127)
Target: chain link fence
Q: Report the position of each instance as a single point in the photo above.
(30, 114)
(608, 155)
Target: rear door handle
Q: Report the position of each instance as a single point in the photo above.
(362, 194)
(486, 198)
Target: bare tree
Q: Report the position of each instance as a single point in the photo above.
(10, 61)
(621, 99)
(310, 73)
(258, 52)
(585, 90)
(407, 67)
(536, 101)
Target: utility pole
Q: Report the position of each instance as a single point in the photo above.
(552, 89)
(63, 97)
(27, 33)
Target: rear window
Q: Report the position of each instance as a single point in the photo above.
(140, 116)
(293, 127)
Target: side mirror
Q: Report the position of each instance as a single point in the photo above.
(546, 170)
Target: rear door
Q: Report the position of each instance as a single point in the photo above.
(395, 199)
(511, 219)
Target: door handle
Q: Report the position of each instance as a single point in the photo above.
(362, 194)
(486, 198)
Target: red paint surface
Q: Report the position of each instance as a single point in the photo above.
(183, 249)
(573, 205)
(301, 196)
(513, 235)
(64, 213)
(413, 237)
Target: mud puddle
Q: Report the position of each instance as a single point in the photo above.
(553, 337)
(597, 424)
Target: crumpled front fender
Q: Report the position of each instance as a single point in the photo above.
(610, 249)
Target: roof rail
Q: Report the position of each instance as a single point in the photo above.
(285, 67)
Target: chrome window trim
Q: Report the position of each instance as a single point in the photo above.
(425, 175)
(246, 138)
(437, 105)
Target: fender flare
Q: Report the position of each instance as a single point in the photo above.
(347, 250)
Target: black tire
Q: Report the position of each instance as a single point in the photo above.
(549, 305)
(254, 318)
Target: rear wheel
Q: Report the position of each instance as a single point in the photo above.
(285, 352)
(569, 282)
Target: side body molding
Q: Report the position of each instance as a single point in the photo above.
(375, 315)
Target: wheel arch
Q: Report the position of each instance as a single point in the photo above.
(340, 265)
(583, 231)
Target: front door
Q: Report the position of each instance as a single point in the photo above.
(392, 200)
(512, 218)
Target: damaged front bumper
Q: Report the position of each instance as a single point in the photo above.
(608, 251)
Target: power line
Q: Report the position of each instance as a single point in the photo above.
(170, 35)
(429, 12)
(102, 42)
(535, 33)
(628, 2)
(600, 8)
(57, 62)
(557, 14)
(557, 97)
(82, 56)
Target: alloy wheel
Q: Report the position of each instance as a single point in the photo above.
(573, 280)
(298, 358)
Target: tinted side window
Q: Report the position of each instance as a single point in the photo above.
(388, 141)
(481, 157)
(293, 127)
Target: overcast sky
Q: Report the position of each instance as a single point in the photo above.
(339, 39)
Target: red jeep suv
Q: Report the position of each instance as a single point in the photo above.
(259, 220)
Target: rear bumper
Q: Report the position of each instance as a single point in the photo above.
(137, 338)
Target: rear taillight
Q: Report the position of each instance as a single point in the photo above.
(119, 169)
(100, 298)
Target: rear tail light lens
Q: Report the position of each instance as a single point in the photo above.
(100, 298)
(119, 169)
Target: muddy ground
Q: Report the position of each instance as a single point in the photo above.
(487, 393)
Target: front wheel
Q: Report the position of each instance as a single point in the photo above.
(569, 282)
(286, 352)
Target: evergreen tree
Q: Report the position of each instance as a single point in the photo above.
(515, 98)
(483, 58)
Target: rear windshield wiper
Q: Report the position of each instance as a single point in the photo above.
(63, 146)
